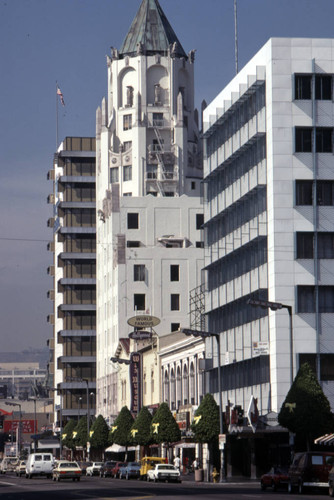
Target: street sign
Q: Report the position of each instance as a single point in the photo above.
(140, 335)
(222, 441)
(144, 321)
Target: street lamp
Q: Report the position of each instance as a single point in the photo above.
(35, 421)
(18, 444)
(203, 334)
(275, 306)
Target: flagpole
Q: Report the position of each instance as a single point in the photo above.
(56, 116)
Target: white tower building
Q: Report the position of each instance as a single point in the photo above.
(149, 212)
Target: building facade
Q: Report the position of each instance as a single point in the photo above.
(269, 222)
(149, 211)
(73, 369)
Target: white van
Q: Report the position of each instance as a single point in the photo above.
(8, 464)
(39, 464)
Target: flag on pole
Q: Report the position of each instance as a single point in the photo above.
(59, 92)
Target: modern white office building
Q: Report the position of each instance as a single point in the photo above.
(149, 210)
(269, 222)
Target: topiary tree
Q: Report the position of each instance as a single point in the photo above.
(98, 435)
(67, 434)
(80, 438)
(141, 428)
(306, 410)
(120, 430)
(164, 428)
(205, 425)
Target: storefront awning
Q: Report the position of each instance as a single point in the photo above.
(327, 439)
(116, 448)
(47, 444)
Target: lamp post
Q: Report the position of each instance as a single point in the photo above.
(203, 334)
(275, 306)
(18, 444)
(35, 421)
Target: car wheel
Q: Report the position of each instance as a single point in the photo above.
(300, 487)
(331, 490)
(263, 486)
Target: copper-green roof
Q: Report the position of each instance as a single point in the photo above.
(151, 33)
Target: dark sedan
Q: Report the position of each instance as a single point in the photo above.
(277, 477)
(107, 469)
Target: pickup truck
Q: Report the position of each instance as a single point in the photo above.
(164, 472)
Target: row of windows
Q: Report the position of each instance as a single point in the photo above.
(80, 243)
(82, 347)
(140, 272)
(326, 364)
(306, 136)
(80, 295)
(79, 217)
(230, 171)
(79, 320)
(253, 371)
(323, 87)
(311, 299)
(84, 371)
(244, 210)
(306, 245)
(139, 302)
(80, 269)
(78, 167)
(324, 192)
(133, 220)
(114, 174)
(80, 144)
(79, 192)
(237, 313)
(242, 113)
(240, 262)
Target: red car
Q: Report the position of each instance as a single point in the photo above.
(277, 477)
(115, 469)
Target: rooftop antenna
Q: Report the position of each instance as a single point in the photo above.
(235, 37)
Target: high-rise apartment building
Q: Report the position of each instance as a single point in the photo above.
(73, 370)
(269, 222)
(149, 170)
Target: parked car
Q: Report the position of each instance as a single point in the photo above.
(310, 469)
(107, 467)
(148, 463)
(115, 469)
(66, 470)
(164, 472)
(39, 464)
(94, 469)
(20, 469)
(275, 478)
(130, 470)
(83, 466)
(8, 464)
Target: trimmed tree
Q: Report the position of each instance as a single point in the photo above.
(306, 410)
(120, 430)
(205, 425)
(99, 435)
(67, 435)
(141, 428)
(81, 430)
(164, 428)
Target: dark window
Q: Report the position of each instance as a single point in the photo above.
(326, 245)
(174, 272)
(175, 302)
(324, 140)
(326, 299)
(303, 140)
(169, 193)
(133, 220)
(127, 145)
(158, 119)
(127, 122)
(151, 171)
(114, 175)
(304, 245)
(139, 272)
(199, 221)
(127, 173)
(199, 244)
(193, 185)
(306, 301)
(139, 301)
(174, 327)
(303, 86)
(133, 244)
(304, 192)
(323, 87)
(325, 193)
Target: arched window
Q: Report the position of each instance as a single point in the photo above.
(185, 385)
(192, 386)
(178, 387)
(166, 387)
(172, 389)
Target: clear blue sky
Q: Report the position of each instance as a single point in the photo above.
(44, 41)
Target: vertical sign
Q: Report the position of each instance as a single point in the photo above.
(135, 382)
